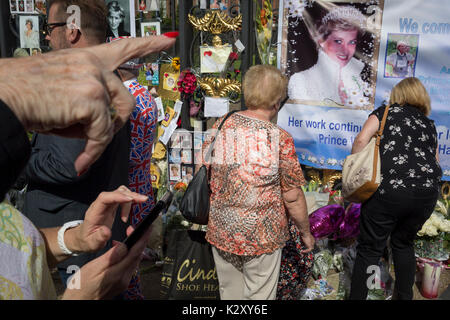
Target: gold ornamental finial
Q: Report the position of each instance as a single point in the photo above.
(219, 87)
(216, 22)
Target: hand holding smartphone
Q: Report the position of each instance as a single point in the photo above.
(148, 220)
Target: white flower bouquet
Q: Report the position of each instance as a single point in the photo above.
(433, 238)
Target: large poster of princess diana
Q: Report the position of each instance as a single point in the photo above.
(329, 51)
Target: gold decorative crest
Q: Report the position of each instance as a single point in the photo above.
(330, 177)
(216, 22)
(219, 87)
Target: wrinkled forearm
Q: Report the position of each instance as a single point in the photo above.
(296, 206)
(19, 90)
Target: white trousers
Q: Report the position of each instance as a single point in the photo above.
(257, 280)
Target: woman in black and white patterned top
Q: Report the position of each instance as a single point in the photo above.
(407, 195)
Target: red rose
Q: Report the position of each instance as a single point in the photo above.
(233, 56)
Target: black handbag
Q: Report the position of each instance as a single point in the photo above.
(194, 205)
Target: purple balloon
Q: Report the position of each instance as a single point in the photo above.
(349, 228)
(326, 220)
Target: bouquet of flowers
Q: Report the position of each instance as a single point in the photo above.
(263, 24)
(187, 83)
(433, 238)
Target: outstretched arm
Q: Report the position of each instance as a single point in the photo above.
(71, 92)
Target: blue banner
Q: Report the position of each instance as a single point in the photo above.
(332, 91)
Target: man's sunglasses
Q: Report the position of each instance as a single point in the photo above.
(49, 27)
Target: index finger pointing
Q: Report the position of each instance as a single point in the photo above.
(116, 53)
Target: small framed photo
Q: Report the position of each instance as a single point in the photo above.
(40, 6)
(175, 140)
(29, 6)
(21, 6)
(186, 156)
(29, 31)
(174, 172)
(150, 29)
(185, 139)
(121, 18)
(175, 156)
(187, 173)
(13, 6)
(147, 5)
(35, 51)
(198, 140)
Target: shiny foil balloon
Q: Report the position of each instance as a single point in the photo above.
(349, 228)
(326, 220)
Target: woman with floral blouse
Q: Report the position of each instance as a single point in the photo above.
(255, 179)
(407, 195)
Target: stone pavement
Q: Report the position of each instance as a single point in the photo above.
(151, 277)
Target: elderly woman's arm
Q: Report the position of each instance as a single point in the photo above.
(368, 131)
(295, 203)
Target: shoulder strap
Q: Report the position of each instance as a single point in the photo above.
(383, 123)
(377, 144)
(211, 147)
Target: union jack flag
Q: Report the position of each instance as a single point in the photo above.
(143, 122)
(143, 126)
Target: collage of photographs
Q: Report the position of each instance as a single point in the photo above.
(28, 12)
(121, 20)
(28, 6)
(185, 149)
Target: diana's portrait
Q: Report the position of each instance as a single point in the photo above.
(329, 53)
(121, 18)
(29, 32)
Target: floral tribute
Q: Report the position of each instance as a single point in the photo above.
(187, 82)
(433, 239)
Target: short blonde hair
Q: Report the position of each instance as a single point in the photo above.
(263, 87)
(411, 91)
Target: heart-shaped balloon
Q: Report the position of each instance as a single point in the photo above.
(349, 227)
(326, 220)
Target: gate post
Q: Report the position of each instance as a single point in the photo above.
(186, 32)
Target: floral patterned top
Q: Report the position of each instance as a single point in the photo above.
(24, 273)
(254, 161)
(408, 150)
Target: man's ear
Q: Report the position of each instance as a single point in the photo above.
(73, 35)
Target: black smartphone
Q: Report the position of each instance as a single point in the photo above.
(148, 220)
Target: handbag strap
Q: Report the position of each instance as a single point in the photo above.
(211, 147)
(377, 144)
(383, 122)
